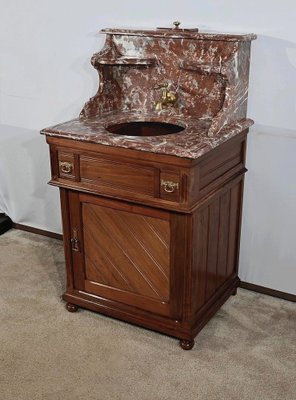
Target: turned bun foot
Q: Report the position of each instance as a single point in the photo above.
(186, 344)
(71, 307)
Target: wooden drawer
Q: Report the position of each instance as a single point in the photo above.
(115, 175)
(118, 177)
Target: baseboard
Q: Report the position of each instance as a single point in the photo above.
(269, 292)
(37, 231)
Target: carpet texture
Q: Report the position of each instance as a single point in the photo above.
(247, 351)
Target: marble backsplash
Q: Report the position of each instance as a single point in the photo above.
(209, 73)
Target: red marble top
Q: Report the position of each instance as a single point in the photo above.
(191, 143)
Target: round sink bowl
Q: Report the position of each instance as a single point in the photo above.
(144, 128)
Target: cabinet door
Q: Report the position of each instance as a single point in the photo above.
(123, 252)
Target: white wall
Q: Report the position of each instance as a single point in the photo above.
(46, 76)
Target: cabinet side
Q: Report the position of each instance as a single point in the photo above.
(216, 233)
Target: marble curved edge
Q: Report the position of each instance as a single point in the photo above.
(237, 127)
(192, 142)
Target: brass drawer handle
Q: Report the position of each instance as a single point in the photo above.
(169, 186)
(66, 167)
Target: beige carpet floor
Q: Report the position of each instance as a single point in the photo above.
(247, 351)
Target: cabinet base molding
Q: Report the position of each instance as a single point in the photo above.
(185, 331)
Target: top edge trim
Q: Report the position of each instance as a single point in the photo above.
(182, 34)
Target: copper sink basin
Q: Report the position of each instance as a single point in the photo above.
(144, 128)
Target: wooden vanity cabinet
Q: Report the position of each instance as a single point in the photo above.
(150, 239)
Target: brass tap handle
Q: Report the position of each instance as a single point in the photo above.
(163, 85)
(65, 167)
(176, 23)
(169, 186)
(165, 90)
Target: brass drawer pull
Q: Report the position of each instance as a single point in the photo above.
(66, 167)
(169, 186)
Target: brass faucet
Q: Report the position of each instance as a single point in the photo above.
(167, 97)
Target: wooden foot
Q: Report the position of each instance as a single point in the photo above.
(71, 307)
(186, 344)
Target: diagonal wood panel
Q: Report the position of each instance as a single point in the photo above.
(100, 240)
(152, 244)
(127, 251)
(158, 229)
(109, 274)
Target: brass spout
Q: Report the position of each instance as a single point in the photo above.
(158, 106)
(167, 97)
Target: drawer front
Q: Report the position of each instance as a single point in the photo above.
(66, 165)
(118, 176)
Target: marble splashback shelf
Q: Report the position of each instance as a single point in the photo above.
(125, 61)
(202, 68)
